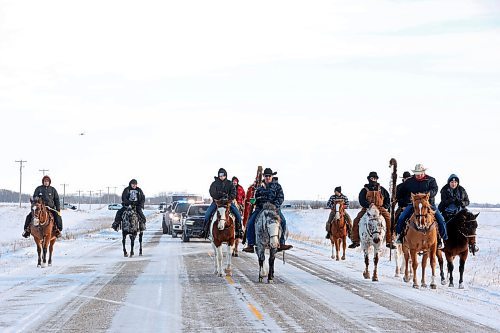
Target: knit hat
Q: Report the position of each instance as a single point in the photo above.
(222, 172)
(453, 177)
(338, 189)
(269, 172)
(133, 181)
(372, 174)
(48, 178)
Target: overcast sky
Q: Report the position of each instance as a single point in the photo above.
(321, 91)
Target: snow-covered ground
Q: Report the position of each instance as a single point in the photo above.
(91, 252)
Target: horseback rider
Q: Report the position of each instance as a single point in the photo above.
(132, 196)
(420, 183)
(331, 205)
(240, 192)
(50, 199)
(271, 192)
(403, 200)
(381, 200)
(222, 188)
(454, 198)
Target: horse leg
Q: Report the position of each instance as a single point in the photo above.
(272, 256)
(132, 241)
(424, 265)
(333, 249)
(219, 260)
(366, 274)
(215, 258)
(235, 248)
(124, 238)
(414, 264)
(261, 270)
(406, 277)
(461, 268)
(228, 270)
(375, 262)
(450, 271)
(337, 249)
(39, 250)
(343, 247)
(439, 255)
(433, 270)
(51, 248)
(140, 243)
(397, 259)
(44, 256)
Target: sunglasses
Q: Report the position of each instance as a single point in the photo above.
(222, 175)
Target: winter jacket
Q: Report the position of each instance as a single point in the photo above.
(222, 189)
(453, 200)
(374, 187)
(331, 202)
(413, 185)
(240, 194)
(272, 193)
(405, 200)
(133, 196)
(49, 196)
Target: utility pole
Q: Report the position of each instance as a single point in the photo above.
(114, 194)
(43, 171)
(20, 177)
(79, 194)
(100, 198)
(64, 193)
(90, 204)
(108, 187)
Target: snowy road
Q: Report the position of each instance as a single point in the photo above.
(92, 287)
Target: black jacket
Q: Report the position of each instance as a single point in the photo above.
(222, 189)
(131, 196)
(426, 185)
(453, 200)
(49, 196)
(272, 192)
(403, 200)
(374, 187)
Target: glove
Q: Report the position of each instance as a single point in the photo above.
(115, 227)
(252, 201)
(458, 203)
(59, 212)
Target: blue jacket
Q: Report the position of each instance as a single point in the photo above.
(272, 193)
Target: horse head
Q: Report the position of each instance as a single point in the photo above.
(40, 213)
(222, 215)
(376, 224)
(339, 209)
(466, 222)
(423, 215)
(271, 224)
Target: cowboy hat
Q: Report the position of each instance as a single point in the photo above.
(419, 169)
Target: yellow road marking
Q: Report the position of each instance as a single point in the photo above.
(255, 312)
(230, 280)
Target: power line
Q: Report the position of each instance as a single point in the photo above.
(64, 192)
(20, 178)
(43, 171)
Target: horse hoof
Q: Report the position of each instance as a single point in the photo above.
(424, 285)
(337, 259)
(50, 265)
(125, 254)
(415, 286)
(405, 279)
(219, 275)
(443, 282)
(260, 279)
(460, 286)
(375, 279)
(433, 286)
(140, 254)
(270, 280)
(236, 254)
(39, 266)
(451, 285)
(343, 258)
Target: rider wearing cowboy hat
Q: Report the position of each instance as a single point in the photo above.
(420, 183)
(272, 192)
(50, 199)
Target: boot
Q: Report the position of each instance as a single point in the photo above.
(249, 249)
(440, 243)
(354, 245)
(327, 235)
(205, 231)
(284, 247)
(239, 231)
(473, 248)
(390, 246)
(26, 233)
(400, 238)
(57, 233)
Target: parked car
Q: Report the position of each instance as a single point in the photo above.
(172, 220)
(192, 223)
(69, 206)
(162, 207)
(114, 206)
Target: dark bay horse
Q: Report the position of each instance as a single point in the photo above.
(222, 231)
(41, 228)
(267, 235)
(460, 228)
(131, 227)
(338, 229)
(421, 236)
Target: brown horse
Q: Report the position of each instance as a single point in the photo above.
(338, 228)
(41, 228)
(222, 231)
(460, 229)
(237, 240)
(421, 236)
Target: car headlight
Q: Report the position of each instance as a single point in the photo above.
(189, 222)
(171, 215)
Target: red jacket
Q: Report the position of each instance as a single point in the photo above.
(248, 205)
(240, 194)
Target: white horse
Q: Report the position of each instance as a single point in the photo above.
(372, 233)
(267, 236)
(222, 231)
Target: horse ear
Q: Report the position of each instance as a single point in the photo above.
(475, 216)
(412, 195)
(427, 196)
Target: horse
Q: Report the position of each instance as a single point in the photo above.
(460, 228)
(131, 227)
(338, 229)
(222, 231)
(267, 235)
(41, 229)
(372, 230)
(399, 253)
(421, 236)
(237, 240)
